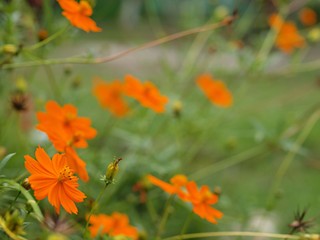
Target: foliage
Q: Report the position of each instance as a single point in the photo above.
(188, 120)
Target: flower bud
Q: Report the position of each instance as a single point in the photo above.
(112, 171)
(177, 108)
(26, 184)
(42, 34)
(9, 49)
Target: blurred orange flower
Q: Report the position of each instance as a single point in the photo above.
(177, 182)
(188, 191)
(64, 121)
(78, 13)
(276, 21)
(308, 17)
(288, 36)
(55, 180)
(145, 93)
(110, 95)
(215, 90)
(76, 163)
(61, 141)
(202, 200)
(115, 225)
(67, 131)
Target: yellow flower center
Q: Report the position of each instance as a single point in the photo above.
(85, 8)
(68, 119)
(65, 174)
(205, 197)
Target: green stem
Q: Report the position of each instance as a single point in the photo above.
(48, 40)
(266, 47)
(14, 185)
(124, 53)
(186, 224)
(95, 203)
(15, 199)
(232, 234)
(151, 210)
(164, 218)
(310, 123)
(55, 87)
(223, 164)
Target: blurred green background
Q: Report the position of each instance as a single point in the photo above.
(239, 149)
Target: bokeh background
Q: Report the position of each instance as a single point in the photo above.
(236, 150)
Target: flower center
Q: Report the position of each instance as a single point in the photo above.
(206, 196)
(68, 119)
(65, 174)
(85, 8)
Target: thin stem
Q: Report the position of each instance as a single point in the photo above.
(14, 185)
(55, 87)
(164, 218)
(47, 40)
(266, 48)
(232, 234)
(226, 163)
(151, 210)
(186, 224)
(95, 203)
(228, 20)
(310, 123)
(15, 199)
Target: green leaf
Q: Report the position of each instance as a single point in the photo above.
(4, 161)
(7, 183)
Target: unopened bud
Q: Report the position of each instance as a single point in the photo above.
(26, 184)
(112, 171)
(177, 108)
(217, 191)
(314, 35)
(21, 84)
(9, 49)
(42, 34)
(57, 236)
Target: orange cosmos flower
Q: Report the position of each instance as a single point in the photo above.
(76, 163)
(177, 182)
(308, 17)
(55, 180)
(188, 191)
(78, 13)
(276, 21)
(145, 93)
(115, 225)
(64, 121)
(202, 200)
(215, 90)
(110, 95)
(288, 36)
(61, 141)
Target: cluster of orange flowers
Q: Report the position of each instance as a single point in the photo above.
(111, 95)
(288, 36)
(67, 131)
(201, 199)
(78, 13)
(115, 225)
(55, 179)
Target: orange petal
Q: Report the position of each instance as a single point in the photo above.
(161, 184)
